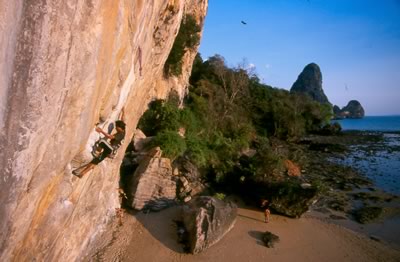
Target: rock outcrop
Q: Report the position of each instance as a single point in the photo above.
(190, 183)
(353, 110)
(206, 221)
(309, 83)
(65, 66)
(292, 200)
(153, 186)
(270, 239)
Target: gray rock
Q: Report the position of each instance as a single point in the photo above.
(188, 169)
(140, 140)
(305, 185)
(270, 239)
(207, 220)
(153, 186)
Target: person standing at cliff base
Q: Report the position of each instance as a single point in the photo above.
(105, 147)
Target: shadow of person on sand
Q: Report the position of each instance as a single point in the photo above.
(162, 226)
(257, 235)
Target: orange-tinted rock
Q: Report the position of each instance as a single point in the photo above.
(65, 66)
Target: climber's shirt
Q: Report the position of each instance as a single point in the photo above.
(117, 140)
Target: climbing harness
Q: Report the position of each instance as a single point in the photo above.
(98, 149)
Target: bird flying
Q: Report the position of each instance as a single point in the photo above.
(243, 22)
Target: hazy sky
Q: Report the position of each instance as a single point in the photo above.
(356, 43)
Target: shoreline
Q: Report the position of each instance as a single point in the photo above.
(366, 151)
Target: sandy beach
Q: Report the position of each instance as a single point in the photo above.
(152, 237)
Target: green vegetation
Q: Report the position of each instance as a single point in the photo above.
(227, 113)
(220, 196)
(187, 38)
(367, 214)
(172, 144)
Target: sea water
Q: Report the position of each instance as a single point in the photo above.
(381, 163)
(371, 123)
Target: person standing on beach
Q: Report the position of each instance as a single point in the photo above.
(265, 204)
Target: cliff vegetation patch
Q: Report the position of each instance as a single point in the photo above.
(187, 38)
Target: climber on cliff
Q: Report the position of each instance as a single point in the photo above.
(105, 148)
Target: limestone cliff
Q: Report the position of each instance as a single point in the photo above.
(309, 83)
(66, 65)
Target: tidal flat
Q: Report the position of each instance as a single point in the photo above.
(360, 174)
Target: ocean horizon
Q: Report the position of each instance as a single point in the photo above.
(389, 123)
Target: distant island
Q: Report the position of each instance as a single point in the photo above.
(353, 110)
(309, 83)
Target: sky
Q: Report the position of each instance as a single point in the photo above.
(356, 43)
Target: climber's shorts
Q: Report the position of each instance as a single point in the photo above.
(107, 150)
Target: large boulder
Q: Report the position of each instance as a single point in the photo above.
(270, 239)
(309, 83)
(291, 199)
(207, 220)
(153, 186)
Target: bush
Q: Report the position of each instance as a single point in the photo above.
(220, 196)
(162, 115)
(197, 150)
(187, 38)
(171, 143)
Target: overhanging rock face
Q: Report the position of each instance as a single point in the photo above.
(66, 65)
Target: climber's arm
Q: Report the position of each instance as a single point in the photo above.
(101, 131)
(122, 115)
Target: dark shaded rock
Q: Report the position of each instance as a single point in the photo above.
(291, 200)
(327, 147)
(309, 83)
(190, 181)
(187, 169)
(270, 239)
(367, 214)
(207, 220)
(183, 235)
